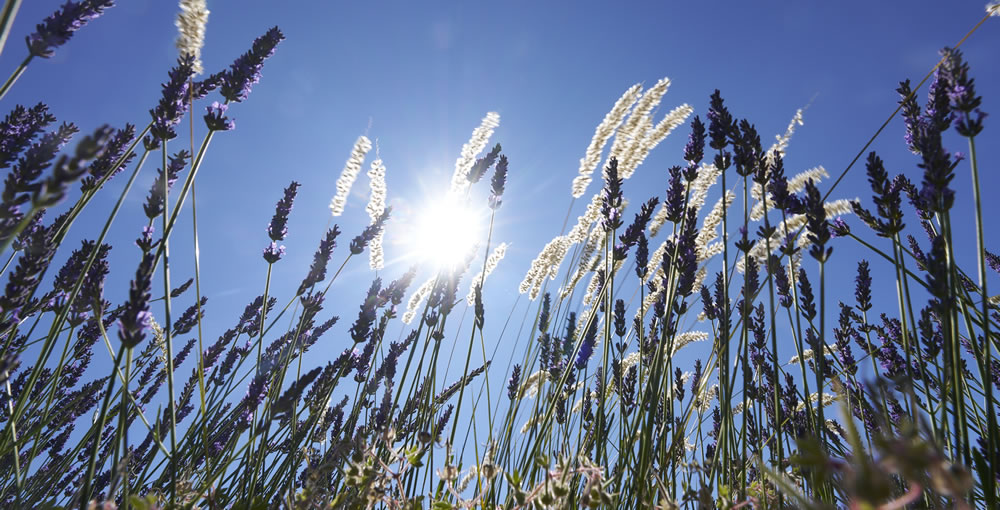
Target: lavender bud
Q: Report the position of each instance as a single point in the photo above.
(154, 201)
(498, 182)
(244, 72)
(135, 319)
(215, 117)
(60, 26)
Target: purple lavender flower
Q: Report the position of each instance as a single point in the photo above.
(35, 160)
(189, 319)
(361, 241)
(587, 346)
(611, 197)
(816, 223)
(675, 196)
(291, 396)
(154, 201)
(720, 122)
(514, 382)
(638, 225)
(145, 241)
(254, 397)
(19, 128)
(102, 166)
(278, 227)
(273, 252)
(993, 261)
(215, 117)
(174, 101)
(24, 279)
(480, 317)
(483, 164)
(962, 93)
(620, 327)
(748, 155)
(59, 27)
(68, 169)
(498, 182)
(696, 377)
(863, 288)
(362, 326)
(807, 300)
(244, 72)
(694, 151)
(317, 272)
(135, 319)
(641, 256)
(778, 187)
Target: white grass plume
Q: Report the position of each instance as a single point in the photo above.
(602, 134)
(191, 30)
(349, 174)
(480, 137)
(491, 264)
(375, 208)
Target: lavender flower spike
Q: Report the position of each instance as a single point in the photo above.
(215, 117)
(174, 103)
(136, 317)
(498, 182)
(154, 201)
(244, 72)
(278, 228)
(59, 27)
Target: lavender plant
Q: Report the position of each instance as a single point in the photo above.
(599, 409)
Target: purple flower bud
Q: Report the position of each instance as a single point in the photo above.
(514, 382)
(174, 101)
(273, 252)
(154, 201)
(359, 243)
(215, 117)
(278, 228)
(863, 285)
(244, 72)
(135, 318)
(317, 272)
(60, 26)
(498, 182)
(694, 151)
(611, 197)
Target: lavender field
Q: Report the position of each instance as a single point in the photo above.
(222, 304)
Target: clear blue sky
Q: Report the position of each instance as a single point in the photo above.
(423, 74)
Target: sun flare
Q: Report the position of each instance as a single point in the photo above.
(445, 232)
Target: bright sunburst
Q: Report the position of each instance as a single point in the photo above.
(445, 232)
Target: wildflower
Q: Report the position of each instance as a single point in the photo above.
(244, 72)
(136, 318)
(483, 164)
(862, 290)
(514, 382)
(748, 155)
(215, 117)
(498, 182)
(189, 319)
(277, 229)
(174, 101)
(154, 201)
(102, 165)
(962, 93)
(817, 224)
(694, 151)
(371, 232)
(720, 123)
(641, 256)
(362, 326)
(317, 271)
(60, 26)
(806, 301)
(475, 145)
(611, 198)
(68, 169)
(19, 128)
(349, 174)
(587, 346)
(191, 27)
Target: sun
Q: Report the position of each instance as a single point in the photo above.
(445, 231)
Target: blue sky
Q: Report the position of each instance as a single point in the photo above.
(419, 76)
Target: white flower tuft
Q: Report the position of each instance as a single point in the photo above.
(602, 134)
(417, 298)
(993, 8)
(491, 264)
(375, 208)
(191, 27)
(480, 137)
(349, 174)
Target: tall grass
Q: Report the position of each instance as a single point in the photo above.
(792, 401)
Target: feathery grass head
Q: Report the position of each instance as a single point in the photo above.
(191, 30)
(349, 174)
